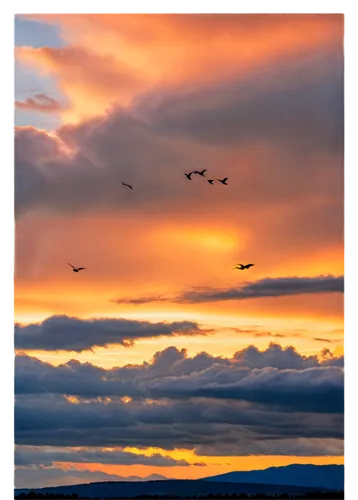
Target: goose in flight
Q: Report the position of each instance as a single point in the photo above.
(76, 269)
(241, 267)
(211, 181)
(202, 173)
(223, 181)
(124, 184)
(189, 175)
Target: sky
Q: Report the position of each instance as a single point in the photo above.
(159, 359)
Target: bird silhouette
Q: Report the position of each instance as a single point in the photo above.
(211, 181)
(223, 181)
(202, 173)
(124, 184)
(76, 269)
(242, 266)
(189, 175)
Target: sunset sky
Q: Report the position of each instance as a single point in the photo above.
(159, 359)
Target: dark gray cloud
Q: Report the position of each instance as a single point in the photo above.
(266, 287)
(173, 374)
(180, 402)
(48, 456)
(214, 115)
(283, 358)
(302, 446)
(74, 334)
(54, 421)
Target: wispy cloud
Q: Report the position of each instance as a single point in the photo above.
(39, 102)
(268, 334)
(141, 300)
(267, 287)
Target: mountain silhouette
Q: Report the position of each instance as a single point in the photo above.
(291, 479)
(322, 476)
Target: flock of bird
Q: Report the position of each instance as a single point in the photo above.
(240, 267)
(210, 181)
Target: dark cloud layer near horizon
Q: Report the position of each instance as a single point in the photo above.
(266, 287)
(170, 424)
(253, 402)
(74, 334)
(44, 456)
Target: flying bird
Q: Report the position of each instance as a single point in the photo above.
(76, 269)
(189, 175)
(223, 181)
(124, 184)
(242, 266)
(211, 181)
(202, 173)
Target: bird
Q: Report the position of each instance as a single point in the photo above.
(211, 181)
(223, 181)
(189, 175)
(76, 269)
(242, 266)
(124, 184)
(202, 173)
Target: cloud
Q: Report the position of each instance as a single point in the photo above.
(266, 287)
(39, 102)
(141, 300)
(298, 447)
(175, 401)
(74, 334)
(48, 456)
(54, 421)
(268, 334)
(171, 369)
(148, 144)
(282, 358)
(172, 374)
(180, 47)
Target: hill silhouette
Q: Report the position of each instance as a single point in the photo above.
(322, 476)
(183, 488)
(303, 481)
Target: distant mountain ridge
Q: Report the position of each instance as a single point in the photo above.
(323, 476)
(290, 479)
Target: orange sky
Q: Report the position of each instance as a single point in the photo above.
(149, 98)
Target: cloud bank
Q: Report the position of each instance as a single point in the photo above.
(255, 401)
(74, 334)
